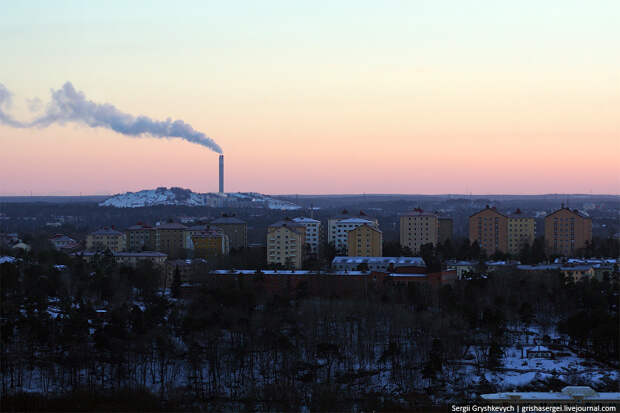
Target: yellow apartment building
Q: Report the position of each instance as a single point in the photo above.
(418, 228)
(365, 241)
(285, 244)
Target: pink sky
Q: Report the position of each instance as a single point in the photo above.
(424, 97)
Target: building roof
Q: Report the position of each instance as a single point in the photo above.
(306, 220)
(171, 225)
(572, 211)
(538, 267)
(290, 272)
(487, 208)
(286, 223)
(140, 254)
(139, 227)
(418, 212)
(576, 268)
(355, 221)
(228, 220)
(455, 263)
(369, 226)
(143, 254)
(397, 261)
(106, 231)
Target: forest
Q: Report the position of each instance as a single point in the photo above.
(89, 335)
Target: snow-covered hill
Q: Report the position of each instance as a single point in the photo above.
(181, 196)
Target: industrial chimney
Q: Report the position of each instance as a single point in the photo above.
(221, 174)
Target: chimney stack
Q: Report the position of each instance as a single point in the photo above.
(221, 174)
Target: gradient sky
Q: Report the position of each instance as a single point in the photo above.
(430, 97)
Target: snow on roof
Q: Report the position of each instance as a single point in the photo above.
(306, 220)
(397, 261)
(171, 225)
(576, 268)
(288, 272)
(355, 221)
(393, 274)
(8, 259)
(460, 263)
(538, 267)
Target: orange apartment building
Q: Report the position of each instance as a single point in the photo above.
(566, 232)
(490, 229)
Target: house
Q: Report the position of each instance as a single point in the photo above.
(63, 242)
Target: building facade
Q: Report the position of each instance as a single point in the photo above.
(336, 230)
(521, 231)
(418, 228)
(235, 228)
(140, 237)
(340, 228)
(313, 233)
(63, 242)
(170, 238)
(446, 227)
(106, 238)
(489, 228)
(210, 243)
(285, 244)
(566, 232)
(365, 241)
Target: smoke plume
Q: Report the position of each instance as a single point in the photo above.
(70, 105)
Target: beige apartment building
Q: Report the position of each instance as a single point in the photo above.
(418, 228)
(566, 232)
(365, 241)
(140, 237)
(106, 238)
(521, 231)
(235, 228)
(210, 243)
(285, 244)
(489, 228)
(170, 238)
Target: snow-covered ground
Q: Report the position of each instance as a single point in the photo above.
(180, 196)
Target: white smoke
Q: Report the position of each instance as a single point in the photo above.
(70, 105)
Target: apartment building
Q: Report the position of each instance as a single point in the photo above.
(235, 228)
(567, 231)
(63, 242)
(489, 228)
(313, 233)
(446, 227)
(418, 228)
(140, 237)
(285, 244)
(339, 231)
(106, 238)
(336, 230)
(210, 242)
(521, 231)
(170, 238)
(365, 241)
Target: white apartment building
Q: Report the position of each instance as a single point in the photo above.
(338, 231)
(313, 233)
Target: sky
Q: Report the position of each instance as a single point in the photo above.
(320, 97)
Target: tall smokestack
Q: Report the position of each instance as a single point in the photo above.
(221, 174)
